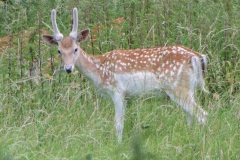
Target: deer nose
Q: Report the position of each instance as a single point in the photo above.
(68, 69)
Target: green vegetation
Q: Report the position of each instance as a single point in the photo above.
(61, 116)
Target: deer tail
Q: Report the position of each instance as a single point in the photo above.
(199, 65)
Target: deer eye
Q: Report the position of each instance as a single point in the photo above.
(59, 51)
(75, 50)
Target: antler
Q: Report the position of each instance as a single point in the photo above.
(73, 34)
(57, 35)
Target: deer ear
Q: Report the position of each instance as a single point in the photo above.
(83, 35)
(49, 39)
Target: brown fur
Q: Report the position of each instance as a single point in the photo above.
(66, 42)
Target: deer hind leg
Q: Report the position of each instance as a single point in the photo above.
(185, 98)
(120, 105)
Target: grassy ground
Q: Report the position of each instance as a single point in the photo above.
(63, 117)
(78, 124)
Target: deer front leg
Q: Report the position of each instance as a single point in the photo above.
(119, 104)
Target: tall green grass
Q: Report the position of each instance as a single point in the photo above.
(64, 117)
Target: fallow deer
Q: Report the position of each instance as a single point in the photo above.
(122, 74)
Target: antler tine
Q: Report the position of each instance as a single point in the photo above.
(73, 34)
(58, 36)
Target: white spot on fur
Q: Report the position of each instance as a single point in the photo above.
(161, 75)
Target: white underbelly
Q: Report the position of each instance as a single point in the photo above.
(138, 83)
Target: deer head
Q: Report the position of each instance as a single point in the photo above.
(68, 46)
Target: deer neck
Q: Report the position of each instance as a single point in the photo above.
(88, 65)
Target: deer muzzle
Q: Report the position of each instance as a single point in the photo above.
(69, 69)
